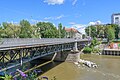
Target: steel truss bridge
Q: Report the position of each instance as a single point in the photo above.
(18, 51)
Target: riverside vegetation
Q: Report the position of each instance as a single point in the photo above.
(28, 76)
(92, 47)
(24, 29)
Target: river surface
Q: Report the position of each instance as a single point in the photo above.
(108, 69)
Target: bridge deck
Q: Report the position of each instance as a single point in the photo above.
(14, 52)
(13, 43)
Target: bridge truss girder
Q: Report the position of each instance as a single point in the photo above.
(18, 56)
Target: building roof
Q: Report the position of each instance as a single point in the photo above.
(72, 29)
(116, 14)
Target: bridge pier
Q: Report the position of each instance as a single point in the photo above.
(75, 46)
(73, 57)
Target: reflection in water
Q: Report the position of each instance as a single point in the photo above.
(108, 69)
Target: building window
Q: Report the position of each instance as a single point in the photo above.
(116, 20)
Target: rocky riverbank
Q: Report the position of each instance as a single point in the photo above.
(86, 63)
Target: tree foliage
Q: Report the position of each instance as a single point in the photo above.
(101, 31)
(26, 30)
(61, 31)
(92, 46)
(111, 34)
(47, 30)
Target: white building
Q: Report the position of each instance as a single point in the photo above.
(115, 18)
(73, 33)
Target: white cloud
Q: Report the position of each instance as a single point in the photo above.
(59, 17)
(95, 23)
(35, 21)
(53, 2)
(13, 22)
(72, 23)
(54, 18)
(79, 27)
(47, 18)
(74, 2)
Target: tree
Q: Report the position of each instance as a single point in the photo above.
(47, 30)
(91, 31)
(100, 31)
(61, 30)
(87, 30)
(26, 29)
(111, 34)
(11, 30)
(92, 46)
(83, 36)
(116, 28)
(36, 32)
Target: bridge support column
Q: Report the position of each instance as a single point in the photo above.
(75, 46)
(54, 56)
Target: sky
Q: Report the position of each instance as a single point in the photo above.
(71, 13)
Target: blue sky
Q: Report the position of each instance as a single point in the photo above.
(71, 13)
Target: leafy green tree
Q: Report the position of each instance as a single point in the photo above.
(116, 28)
(83, 36)
(100, 31)
(91, 31)
(92, 46)
(87, 30)
(36, 32)
(26, 29)
(61, 30)
(10, 30)
(111, 34)
(2, 32)
(47, 30)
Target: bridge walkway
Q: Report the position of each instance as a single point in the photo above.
(14, 52)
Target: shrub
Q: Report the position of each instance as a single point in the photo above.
(96, 50)
(87, 50)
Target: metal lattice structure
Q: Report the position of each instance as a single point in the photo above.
(14, 54)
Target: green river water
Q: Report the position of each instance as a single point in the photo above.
(108, 69)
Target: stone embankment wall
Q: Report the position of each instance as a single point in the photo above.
(73, 57)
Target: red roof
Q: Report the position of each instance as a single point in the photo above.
(71, 29)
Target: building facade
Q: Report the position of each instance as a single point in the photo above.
(73, 33)
(115, 18)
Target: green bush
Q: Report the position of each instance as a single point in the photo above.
(96, 50)
(87, 50)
